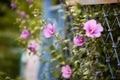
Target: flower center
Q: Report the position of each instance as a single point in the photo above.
(68, 72)
(51, 31)
(31, 48)
(81, 39)
(91, 31)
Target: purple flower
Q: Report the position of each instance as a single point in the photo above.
(75, 29)
(25, 34)
(13, 5)
(79, 40)
(96, 73)
(81, 26)
(32, 47)
(29, 1)
(22, 14)
(66, 71)
(49, 30)
(93, 29)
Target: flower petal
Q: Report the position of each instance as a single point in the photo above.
(98, 34)
(89, 35)
(49, 30)
(66, 76)
(46, 33)
(100, 28)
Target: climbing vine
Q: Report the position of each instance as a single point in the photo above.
(82, 53)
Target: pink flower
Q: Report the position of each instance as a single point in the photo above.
(32, 47)
(13, 5)
(49, 30)
(29, 1)
(93, 29)
(66, 71)
(25, 34)
(79, 40)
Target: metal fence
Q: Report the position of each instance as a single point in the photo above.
(109, 16)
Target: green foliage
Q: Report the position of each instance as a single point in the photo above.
(9, 49)
(84, 61)
(32, 21)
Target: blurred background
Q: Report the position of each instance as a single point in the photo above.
(10, 50)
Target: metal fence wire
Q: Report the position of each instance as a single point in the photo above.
(112, 24)
(109, 16)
